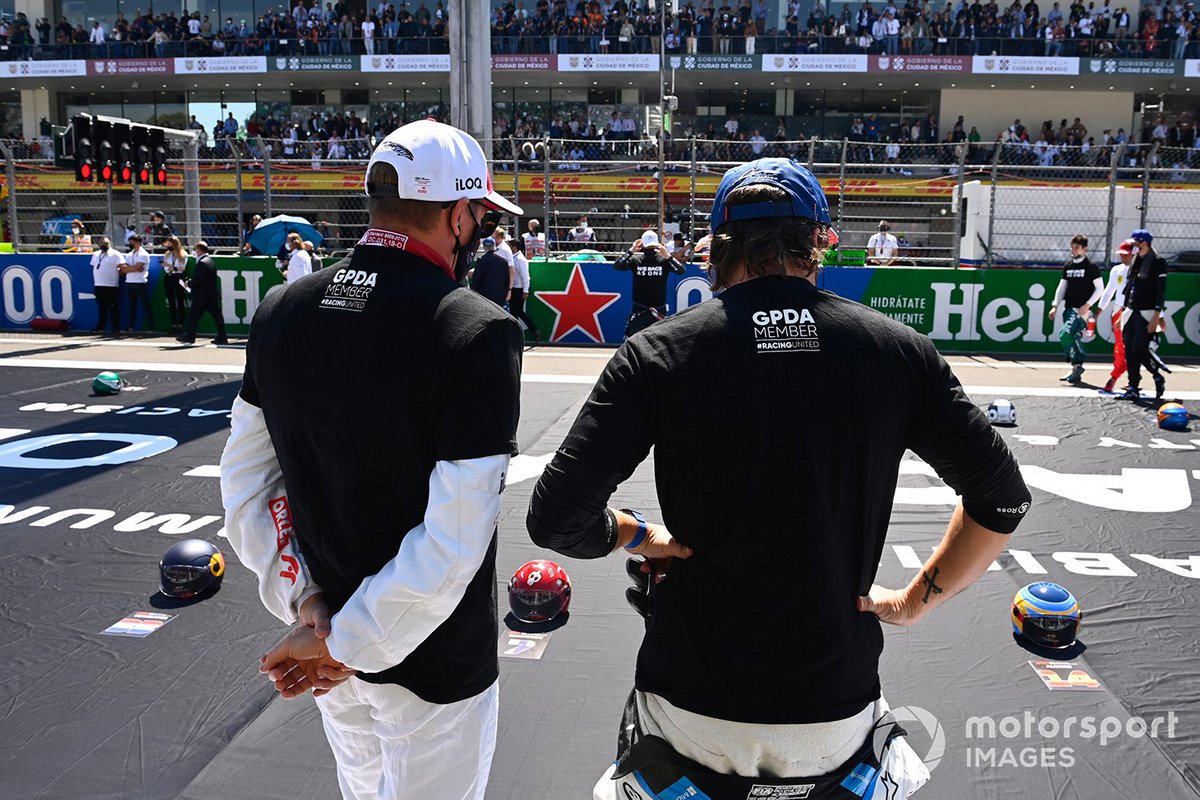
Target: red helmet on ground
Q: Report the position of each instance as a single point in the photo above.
(539, 591)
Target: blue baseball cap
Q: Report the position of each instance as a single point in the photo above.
(806, 198)
(1142, 235)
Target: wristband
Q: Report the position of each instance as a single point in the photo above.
(640, 536)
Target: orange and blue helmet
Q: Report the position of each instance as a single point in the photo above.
(1172, 417)
(1047, 615)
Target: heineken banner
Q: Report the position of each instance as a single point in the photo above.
(998, 310)
(962, 310)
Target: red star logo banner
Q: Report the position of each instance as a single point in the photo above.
(577, 307)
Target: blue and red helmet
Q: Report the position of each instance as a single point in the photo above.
(1046, 614)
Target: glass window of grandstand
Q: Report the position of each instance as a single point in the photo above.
(424, 104)
(10, 120)
(273, 109)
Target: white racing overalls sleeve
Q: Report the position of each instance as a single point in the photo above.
(397, 608)
(1110, 291)
(258, 521)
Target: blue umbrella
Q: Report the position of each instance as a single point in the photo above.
(270, 234)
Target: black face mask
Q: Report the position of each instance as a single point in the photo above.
(464, 254)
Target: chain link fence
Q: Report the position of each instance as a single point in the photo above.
(949, 204)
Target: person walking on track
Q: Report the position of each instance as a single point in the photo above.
(1145, 300)
(206, 296)
(1112, 302)
(1079, 287)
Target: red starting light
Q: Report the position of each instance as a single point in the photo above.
(106, 173)
(85, 171)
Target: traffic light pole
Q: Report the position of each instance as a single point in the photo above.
(110, 229)
(191, 187)
(137, 207)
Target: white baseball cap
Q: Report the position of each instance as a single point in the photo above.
(437, 163)
(649, 239)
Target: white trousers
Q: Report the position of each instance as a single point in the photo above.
(392, 745)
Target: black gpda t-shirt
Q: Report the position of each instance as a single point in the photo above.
(368, 374)
(778, 414)
(1080, 275)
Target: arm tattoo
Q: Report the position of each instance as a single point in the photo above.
(930, 585)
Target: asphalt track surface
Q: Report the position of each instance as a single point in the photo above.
(183, 712)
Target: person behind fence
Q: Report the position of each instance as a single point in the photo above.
(106, 283)
(247, 248)
(159, 229)
(534, 240)
(1079, 287)
(1145, 300)
(492, 277)
(136, 270)
(520, 289)
(649, 261)
(794, 538)
(206, 296)
(174, 267)
(78, 241)
(582, 234)
(1112, 302)
(882, 247)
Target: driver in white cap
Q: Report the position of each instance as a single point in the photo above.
(649, 261)
(363, 473)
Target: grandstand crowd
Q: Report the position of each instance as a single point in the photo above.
(1159, 29)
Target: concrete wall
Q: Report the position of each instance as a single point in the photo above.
(993, 110)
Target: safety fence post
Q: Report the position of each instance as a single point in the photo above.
(1151, 157)
(10, 175)
(266, 168)
(1114, 163)
(841, 192)
(958, 204)
(992, 204)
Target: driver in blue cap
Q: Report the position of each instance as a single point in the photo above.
(759, 672)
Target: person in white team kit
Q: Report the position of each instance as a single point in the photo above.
(299, 261)
(882, 247)
(1113, 300)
